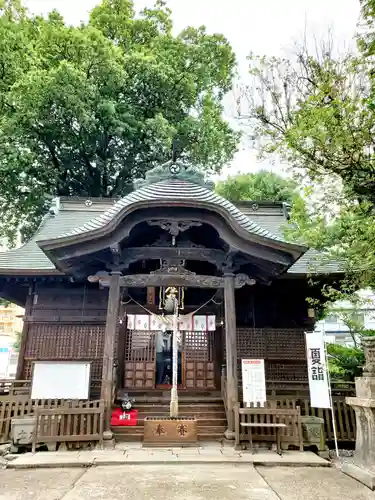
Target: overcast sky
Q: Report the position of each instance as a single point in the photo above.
(262, 26)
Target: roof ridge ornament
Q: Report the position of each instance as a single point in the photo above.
(176, 170)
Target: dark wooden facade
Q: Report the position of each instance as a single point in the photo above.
(79, 284)
(65, 321)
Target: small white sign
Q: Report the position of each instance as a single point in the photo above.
(60, 380)
(253, 382)
(317, 368)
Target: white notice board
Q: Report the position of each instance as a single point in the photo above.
(60, 380)
(253, 381)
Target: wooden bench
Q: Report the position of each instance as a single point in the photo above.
(279, 419)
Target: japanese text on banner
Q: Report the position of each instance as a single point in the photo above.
(317, 370)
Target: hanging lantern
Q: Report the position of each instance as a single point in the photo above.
(169, 304)
(168, 297)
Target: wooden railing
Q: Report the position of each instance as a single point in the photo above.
(21, 406)
(285, 394)
(344, 418)
(287, 387)
(263, 420)
(14, 387)
(64, 424)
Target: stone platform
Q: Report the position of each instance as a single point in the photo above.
(135, 454)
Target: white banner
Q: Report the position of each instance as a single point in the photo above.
(317, 368)
(188, 322)
(253, 381)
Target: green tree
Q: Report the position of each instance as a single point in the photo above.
(345, 363)
(17, 342)
(317, 114)
(259, 186)
(366, 39)
(85, 110)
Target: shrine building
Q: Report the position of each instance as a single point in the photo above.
(94, 277)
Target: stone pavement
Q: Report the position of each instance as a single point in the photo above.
(212, 453)
(182, 482)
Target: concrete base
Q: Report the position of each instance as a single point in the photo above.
(107, 435)
(364, 476)
(230, 435)
(108, 444)
(324, 454)
(108, 440)
(135, 456)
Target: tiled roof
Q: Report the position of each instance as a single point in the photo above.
(76, 217)
(273, 219)
(30, 256)
(174, 190)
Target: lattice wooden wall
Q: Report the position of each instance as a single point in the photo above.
(69, 302)
(198, 359)
(55, 342)
(68, 322)
(139, 370)
(283, 350)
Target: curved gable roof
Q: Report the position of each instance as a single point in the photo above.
(174, 190)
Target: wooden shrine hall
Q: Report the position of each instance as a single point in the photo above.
(93, 282)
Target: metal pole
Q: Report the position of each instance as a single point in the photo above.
(330, 396)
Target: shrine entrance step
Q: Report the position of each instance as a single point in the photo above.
(209, 410)
(163, 395)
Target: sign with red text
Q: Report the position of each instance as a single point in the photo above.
(253, 382)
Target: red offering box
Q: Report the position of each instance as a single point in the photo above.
(123, 418)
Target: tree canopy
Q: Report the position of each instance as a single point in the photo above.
(85, 110)
(316, 113)
(258, 186)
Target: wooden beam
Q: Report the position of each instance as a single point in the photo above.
(151, 299)
(231, 350)
(134, 254)
(156, 279)
(25, 331)
(109, 347)
(188, 280)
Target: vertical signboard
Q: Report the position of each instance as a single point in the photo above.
(253, 382)
(317, 368)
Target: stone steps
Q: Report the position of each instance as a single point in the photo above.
(199, 416)
(202, 421)
(210, 414)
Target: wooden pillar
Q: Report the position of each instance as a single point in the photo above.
(25, 331)
(231, 351)
(109, 348)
